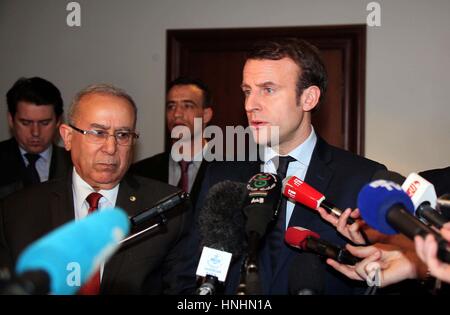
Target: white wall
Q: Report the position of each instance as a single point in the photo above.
(123, 42)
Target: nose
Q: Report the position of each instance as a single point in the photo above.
(110, 145)
(178, 111)
(35, 129)
(252, 103)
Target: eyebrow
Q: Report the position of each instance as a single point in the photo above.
(267, 83)
(100, 126)
(182, 101)
(31, 120)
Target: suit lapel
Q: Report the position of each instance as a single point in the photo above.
(128, 200)
(198, 182)
(61, 205)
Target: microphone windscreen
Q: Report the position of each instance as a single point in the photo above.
(376, 199)
(220, 220)
(76, 249)
(296, 236)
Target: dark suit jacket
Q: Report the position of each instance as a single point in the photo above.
(338, 174)
(144, 267)
(440, 178)
(157, 167)
(12, 166)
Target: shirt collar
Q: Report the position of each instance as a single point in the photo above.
(81, 190)
(44, 155)
(302, 153)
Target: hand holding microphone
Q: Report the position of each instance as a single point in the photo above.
(310, 241)
(381, 265)
(386, 208)
(427, 249)
(296, 189)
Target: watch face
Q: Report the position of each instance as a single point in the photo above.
(262, 182)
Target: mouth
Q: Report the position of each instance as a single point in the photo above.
(106, 165)
(258, 124)
(35, 142)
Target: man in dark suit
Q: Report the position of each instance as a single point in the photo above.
(35, 109)
(440, 178)
(100, 136)
(188, 99)
(283, 82)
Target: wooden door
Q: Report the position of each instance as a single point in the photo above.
(217, 57)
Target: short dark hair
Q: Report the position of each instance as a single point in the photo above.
(184, 80)
(34, 90)
(304, 54)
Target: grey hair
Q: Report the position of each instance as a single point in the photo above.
(101, 88)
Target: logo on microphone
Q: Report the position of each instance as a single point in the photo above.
(291, 193)
(413, 188)
(262, 182)
(385, 184)
(215, 262)
(297, 181)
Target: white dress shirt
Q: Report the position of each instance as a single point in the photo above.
(302, 154)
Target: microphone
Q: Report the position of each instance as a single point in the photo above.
(160, 208)
(423, 196)
(388, 209)
(296, 189)
(306, 276)
(261, 208)
(221, 227)
(310, 241)
(61, 261)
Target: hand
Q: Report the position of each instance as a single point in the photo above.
(354, 232)
(427, 251)
(395, 264)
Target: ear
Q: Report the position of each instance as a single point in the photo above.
(207, 115)
(310, 98)
(10, 121)
(66, 135)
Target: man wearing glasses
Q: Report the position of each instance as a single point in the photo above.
(100, 135)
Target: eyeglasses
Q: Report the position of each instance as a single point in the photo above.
(125, 138)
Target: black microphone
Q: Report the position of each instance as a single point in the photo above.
(221, 225)
(310, 241)
(261, 207)
(160, 208)
(306, 276)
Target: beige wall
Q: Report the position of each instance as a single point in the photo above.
(123, 42)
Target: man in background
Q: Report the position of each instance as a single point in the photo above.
(187, 99)
(35, 109)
